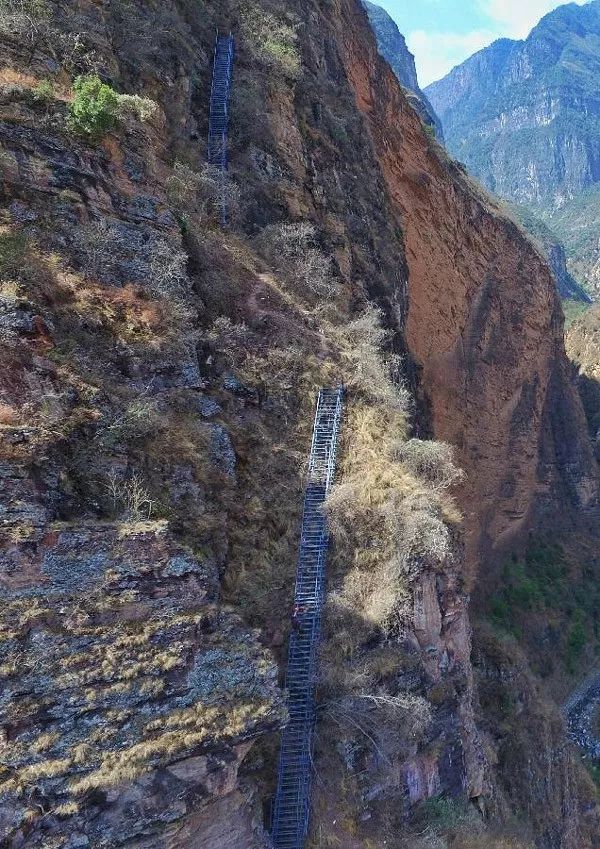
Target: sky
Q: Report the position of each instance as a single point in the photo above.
(443, 33)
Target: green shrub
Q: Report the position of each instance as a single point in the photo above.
(98, 107)
(441, 813)
(594, 771)
(541, 582)
(576, 641)
(94, 110)
(13, 250)
(339, 134)
(44, 92)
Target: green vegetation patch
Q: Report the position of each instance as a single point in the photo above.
(13, 249)
(573, 310)
(188, 684)
(272, 38)
(97, 107)
(543, 583)
(94, 109)
(594, 771)
(441, 814)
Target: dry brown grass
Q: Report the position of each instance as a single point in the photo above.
(187, 730)
(369, 369)
(391, 516)
(384, 519)
(292, 249)
(202, 193)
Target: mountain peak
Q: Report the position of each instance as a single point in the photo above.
(392, 46)
(524, 116)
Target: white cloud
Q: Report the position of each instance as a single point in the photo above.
(516, 18)
(437, 53)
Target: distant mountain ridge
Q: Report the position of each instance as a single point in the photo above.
(392, 46)
(524, 116)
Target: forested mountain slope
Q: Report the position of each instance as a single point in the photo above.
(524, 116)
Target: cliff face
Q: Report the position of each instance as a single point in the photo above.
(129, 695)
(583, 346)
(484, 328)
(524, 117)
(158, 379)
(392, 46)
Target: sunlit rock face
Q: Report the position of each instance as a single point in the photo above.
(157, 385)
(524, 115)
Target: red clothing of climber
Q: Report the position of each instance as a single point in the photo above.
(297, 614)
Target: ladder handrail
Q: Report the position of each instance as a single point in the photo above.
(292, 800)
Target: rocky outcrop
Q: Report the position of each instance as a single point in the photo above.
(549, 790)
(581, 711)
(149, 693)
(392, 46)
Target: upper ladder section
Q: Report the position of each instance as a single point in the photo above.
(292, 799)
(218, 124)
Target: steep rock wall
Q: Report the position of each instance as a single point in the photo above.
(484, 325)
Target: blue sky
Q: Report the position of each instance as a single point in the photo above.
(442, 33)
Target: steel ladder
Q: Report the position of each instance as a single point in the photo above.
(292, 800)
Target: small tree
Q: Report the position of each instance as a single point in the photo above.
(97, 107)
(94, 110)
(168, 270)
(204, 192)
(129, 497)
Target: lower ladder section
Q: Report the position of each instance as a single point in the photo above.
(292, 800)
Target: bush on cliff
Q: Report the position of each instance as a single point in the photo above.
(202, 193)
(94, 109)
(389, 512)
(97, 107)
(292, 250)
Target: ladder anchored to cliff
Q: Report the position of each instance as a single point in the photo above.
(292, 799)
(218, 124)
